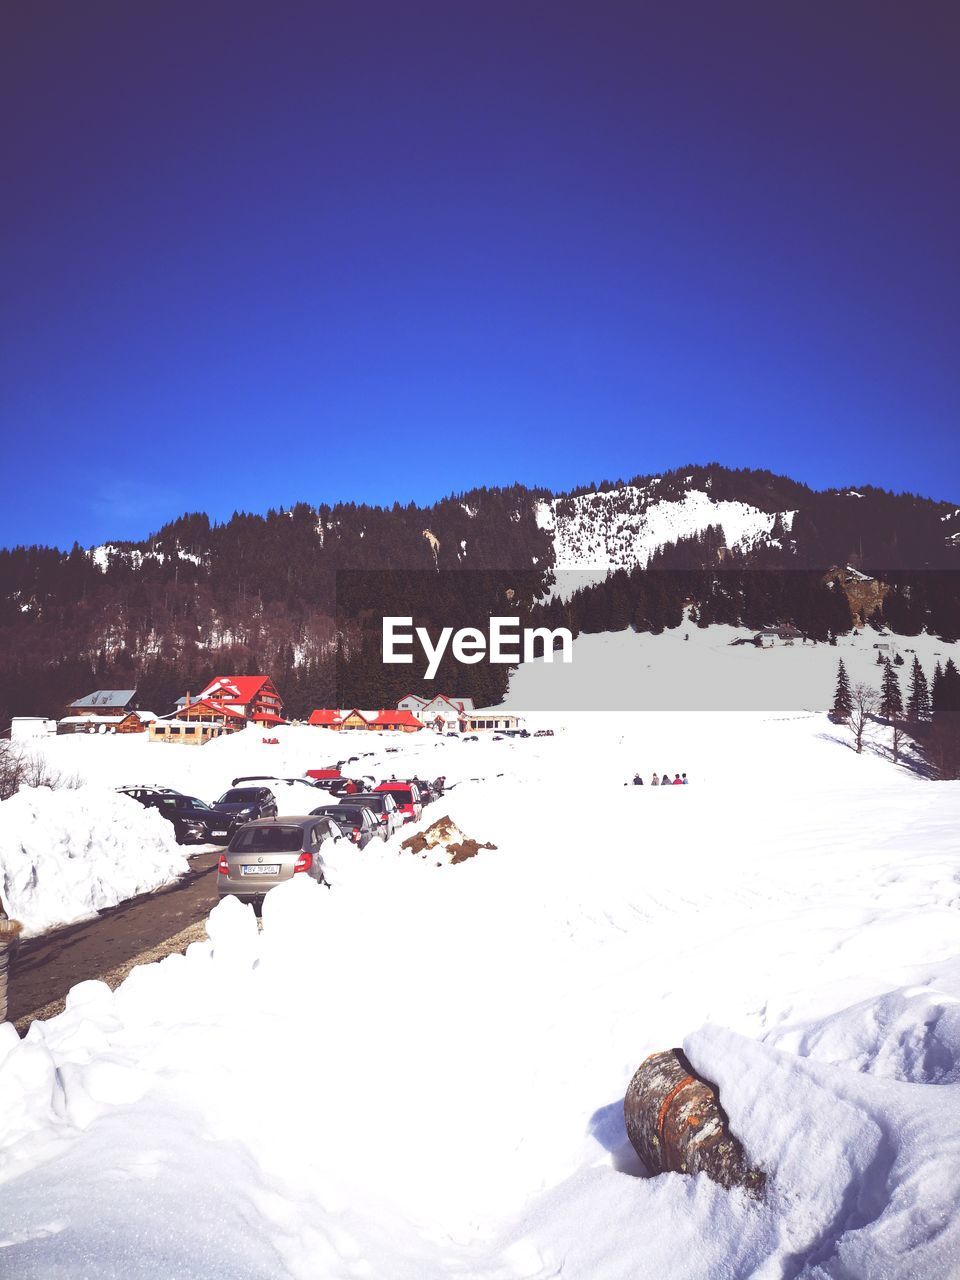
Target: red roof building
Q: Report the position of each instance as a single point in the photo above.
(326, 718)
(253, 697)
(405, 721)
(341, 719)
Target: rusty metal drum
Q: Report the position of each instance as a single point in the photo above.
(676, 1125)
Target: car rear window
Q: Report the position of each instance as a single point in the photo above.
(402, 795)
(267, 840)
(352, 815)
(343, 821)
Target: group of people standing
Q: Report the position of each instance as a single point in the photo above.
(678, 780)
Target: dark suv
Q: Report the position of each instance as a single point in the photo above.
(193, 821)
(245, 804)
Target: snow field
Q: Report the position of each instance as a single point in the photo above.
(421, 1071)
(627, 670)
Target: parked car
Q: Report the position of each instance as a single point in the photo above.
(246, 804)
(324, 777)
(272, 777)
(406, 796)
(267, 852)
(337, 786)
(356, 822)
(147, 793)
(347, 787)
(425, 789)
(194, 822)
(381, 805)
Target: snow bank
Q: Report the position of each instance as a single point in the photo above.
(421, 1070)
(66, 854)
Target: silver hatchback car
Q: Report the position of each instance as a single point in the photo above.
(265, 853)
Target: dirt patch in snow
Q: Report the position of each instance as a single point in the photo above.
(447, 841)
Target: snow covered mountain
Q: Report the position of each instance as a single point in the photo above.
(622, 528)
(266, 591)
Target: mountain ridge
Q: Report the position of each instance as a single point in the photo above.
(291, 590)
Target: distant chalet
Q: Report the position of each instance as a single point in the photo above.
(103, 702)
(344, 720)
(105, 711)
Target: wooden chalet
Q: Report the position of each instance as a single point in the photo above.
(195, 723)
(104, 702)
(396, 721)
(254, 698)
(124, 722)
(344, 720)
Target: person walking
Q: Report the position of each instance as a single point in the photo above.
(654, 781)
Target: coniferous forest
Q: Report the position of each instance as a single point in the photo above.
(300, 593)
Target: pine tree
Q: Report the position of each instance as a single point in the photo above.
(936, 686)
(918, 702)
(891, 699)
(842, 701)
(947, 695)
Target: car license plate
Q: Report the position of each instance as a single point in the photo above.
(218, 833)
(271, 869)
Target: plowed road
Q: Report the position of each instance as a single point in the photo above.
(107, 947)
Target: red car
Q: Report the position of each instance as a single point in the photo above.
(406, 797)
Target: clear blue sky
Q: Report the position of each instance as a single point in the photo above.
(261, 253)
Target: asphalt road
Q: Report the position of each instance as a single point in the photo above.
(46, 967)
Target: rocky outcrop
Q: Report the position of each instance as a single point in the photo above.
(865, 595)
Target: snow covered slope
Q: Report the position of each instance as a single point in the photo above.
(420, 1072)
(707, 671)
(621, 528)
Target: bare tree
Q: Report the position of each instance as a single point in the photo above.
(864, 699)
(11, 770)
(19, 769)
